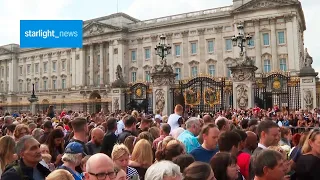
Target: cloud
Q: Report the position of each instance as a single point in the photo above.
(12, 11)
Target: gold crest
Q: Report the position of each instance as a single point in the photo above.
(276, 84)
(139, 92)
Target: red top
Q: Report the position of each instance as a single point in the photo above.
(243, 161)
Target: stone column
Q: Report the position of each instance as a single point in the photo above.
(73, 67)
(162, 81)
(101, 65)
(111, 62)
(243, 77)
(274, 52)
(185, 55)
(293, 62)
(257, 44)
(202, 51)
(91, 65)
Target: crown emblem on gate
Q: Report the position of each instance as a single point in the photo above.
(276, 85)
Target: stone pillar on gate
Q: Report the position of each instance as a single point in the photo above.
(163, 78)
(118, 88)
(243, 79)
(308, 84)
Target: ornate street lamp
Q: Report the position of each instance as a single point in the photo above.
(32, 99)
(241, 39)
(163, 49)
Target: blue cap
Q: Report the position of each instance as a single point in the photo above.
(74, 148)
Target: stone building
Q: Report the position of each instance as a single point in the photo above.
(201, 43)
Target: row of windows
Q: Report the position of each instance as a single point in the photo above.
(45, 85)
(210, 46)
(212, 70)
(45, 67)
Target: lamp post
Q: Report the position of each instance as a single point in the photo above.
(32, 99)
(163, 49)
(241, 39)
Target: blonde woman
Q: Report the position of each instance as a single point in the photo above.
(20, 131)
(142, 157)
(60, 174)
(6, 152)
(120, 156)
(309, 161)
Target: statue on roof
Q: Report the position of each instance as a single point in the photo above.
(308, 60)
(119, 73)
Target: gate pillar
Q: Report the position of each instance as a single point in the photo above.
(162, 80)
(308, 84)
(243, 77)
(117, 92)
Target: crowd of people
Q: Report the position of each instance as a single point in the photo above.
(253, 144)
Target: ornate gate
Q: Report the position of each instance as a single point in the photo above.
(139, 97)
(203, 95)
(277, 89)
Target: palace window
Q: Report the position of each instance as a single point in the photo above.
(177, 50)
(251, 42)
(21, 70)
(54, 66)
(98, 59)
(36, 86)
(54, 84)
(20, 87)
(147, 75)
(88, 61)
(44, 85)
(283, 64)
(36, 68)
(98, 79)
(193, 48)
(63, 65)
(210, 46)
(63, 84)
(28, 69)
(194, 71)
(133, 76)
(133, 56)
(211, 70)
(266, 66)
(45, 67)
(178, 72)
(28, 86)
(2, 72)
(228, 70)
(266, 39)
(147, 53)
(228, 45)
(281, 39)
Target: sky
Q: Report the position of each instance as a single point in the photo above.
(12, 11)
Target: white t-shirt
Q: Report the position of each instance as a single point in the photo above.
(173, 121)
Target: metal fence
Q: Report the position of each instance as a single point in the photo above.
(295, 130)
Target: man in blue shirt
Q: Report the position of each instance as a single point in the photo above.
(204, 153)
(189, 136)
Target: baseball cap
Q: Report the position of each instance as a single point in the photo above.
(74, 148)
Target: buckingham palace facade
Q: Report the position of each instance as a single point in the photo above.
(201, 44)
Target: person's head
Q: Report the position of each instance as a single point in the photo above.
(8, 120)
(60, 174)
(97, 136)
(170, 151)
(146, 135)
(193, 125)
(210, 134)
(73, 154)
(198, 171)
(130, 123)
(270, 165)
(178, 109)
(223, 124)
(129, 142)
(295, 139)
(286, 133)
(44, 149)
(83, 163)
(229, 142)
(243, 137)
(32, 126)
(268, 132)
(111, 124)
(20, 131)
(47, 126)
(165, 129)
(55, 141)
(251, 141)
(79, 125)
(163, 170)
(207, 119)
(28, 148)
(10, 129)
(7, 150)
(224, 166)
(100, 166)
(37, 133)
(120, 156)
(145, 124)
(312, 143)
(142, 153)
(183, 161)
(155, 132)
